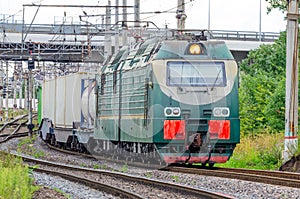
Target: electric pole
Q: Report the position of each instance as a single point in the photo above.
(136, 13)
(124, 25)
(30, 125)
(117, 30)
(107, 43)
(180, 15)
(291, 100)
(6, 96)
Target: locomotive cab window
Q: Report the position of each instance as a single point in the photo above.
(196, 74)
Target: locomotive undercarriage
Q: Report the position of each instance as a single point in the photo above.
(128, 151)
(197, 147)
(200, 149)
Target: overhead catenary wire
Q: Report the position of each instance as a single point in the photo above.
(168, 10)
(20, 11)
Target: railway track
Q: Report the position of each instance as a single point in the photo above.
(92, 183)
(14, 131)
(269, 177)
(100, 179)
(114, 182)
(13, 122)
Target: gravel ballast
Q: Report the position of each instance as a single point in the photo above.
(71, 189)
(236, 188)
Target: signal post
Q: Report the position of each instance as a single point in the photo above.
(30, 126)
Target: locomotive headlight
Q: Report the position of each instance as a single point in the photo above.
(176, 111)
(221, 111)
(194, 49)
(168, 111)
(225, 111)
(217, 112)
(172, 111)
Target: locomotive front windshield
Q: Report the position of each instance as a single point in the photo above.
(196, 74)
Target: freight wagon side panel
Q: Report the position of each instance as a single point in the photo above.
(48, 108)
(73, 99)
(60, 102)
(68, 100)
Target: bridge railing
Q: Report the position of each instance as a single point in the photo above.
(84, 29)
(245, 35)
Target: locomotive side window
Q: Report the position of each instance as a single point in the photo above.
(196, 74)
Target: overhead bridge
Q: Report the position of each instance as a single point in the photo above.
(241, 42)
(49, 51)
(83, 43)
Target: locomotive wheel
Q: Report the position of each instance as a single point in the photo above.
(53, 140)
(91, 144)
(203, 164)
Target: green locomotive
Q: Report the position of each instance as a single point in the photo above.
(175, 98)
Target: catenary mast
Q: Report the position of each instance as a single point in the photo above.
(180, 15)
(291, 100)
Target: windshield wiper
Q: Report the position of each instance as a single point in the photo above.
(212, 88)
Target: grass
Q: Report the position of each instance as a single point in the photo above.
(12, 113)
(26, 146)
(62, 192)
(15, 181)
(149, 175)
(124, 168)
(175, 178)
(258, 152)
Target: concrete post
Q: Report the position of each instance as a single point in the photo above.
(291, 103)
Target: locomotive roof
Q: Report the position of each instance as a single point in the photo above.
(177, 49)
(161, 48)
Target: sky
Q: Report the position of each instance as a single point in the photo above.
(235, 15)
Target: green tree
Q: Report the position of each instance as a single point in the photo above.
(262, 88)
(277, 4)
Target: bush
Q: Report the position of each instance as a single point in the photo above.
(262, 88)
(258, 152)
(15, 181)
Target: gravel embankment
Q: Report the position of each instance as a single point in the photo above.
(71, 189)
(237, 188)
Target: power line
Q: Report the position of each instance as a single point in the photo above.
(12, 15)
(167, 11)
(76, 6)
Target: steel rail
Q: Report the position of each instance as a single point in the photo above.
(12, 122)
(11, 136)
(92, 184)
(277, 174)
(268, 177)
(141, 180)
(14, 134)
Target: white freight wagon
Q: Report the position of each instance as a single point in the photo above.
(68, 103)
